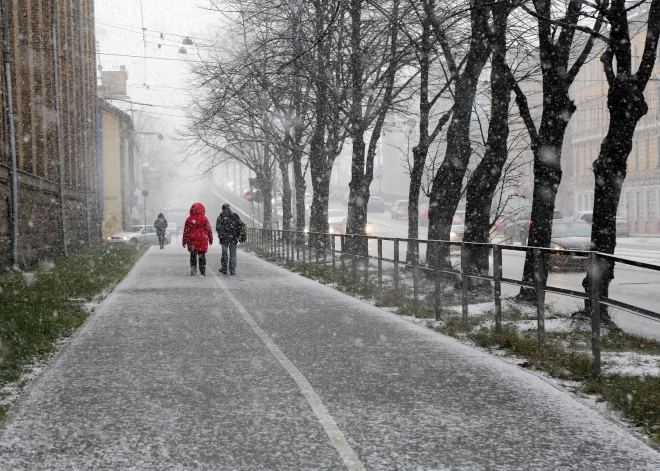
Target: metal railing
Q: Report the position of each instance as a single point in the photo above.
(314, 248)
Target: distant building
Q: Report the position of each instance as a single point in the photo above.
(118, 169)
(32, 59)
(588, 127)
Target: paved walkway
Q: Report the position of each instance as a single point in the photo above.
(268, 370)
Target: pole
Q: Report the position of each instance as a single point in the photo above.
(540, 296)
(438, 285)
(596, 275)
(145, 220)
(145, 193)
(12, 135)
(497, 277)
(464, 283)
(58, 124)
(85, 122)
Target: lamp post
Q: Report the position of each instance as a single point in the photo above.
(145, 193)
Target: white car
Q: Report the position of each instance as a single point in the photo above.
(622, 227)
(135, 235)
(336, 221)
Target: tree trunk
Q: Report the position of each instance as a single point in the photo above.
(286, 195)
(447, 183)
(626, 105)
(416, 175)
(420, 151)
(483, 183)
(301, 188)
(547, 177)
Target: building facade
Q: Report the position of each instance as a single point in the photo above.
(117, 159)
(116, 166)
(55, 151)
(588, 126)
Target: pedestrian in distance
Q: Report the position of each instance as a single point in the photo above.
(197, 236)
(161, 224)
(229, 228)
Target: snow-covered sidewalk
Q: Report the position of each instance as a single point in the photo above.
(269, 370)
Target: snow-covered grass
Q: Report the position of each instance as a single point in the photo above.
(41, 307)
(630, 380)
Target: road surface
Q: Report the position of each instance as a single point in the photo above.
(269, 370)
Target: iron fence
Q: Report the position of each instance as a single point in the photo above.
(316, 248)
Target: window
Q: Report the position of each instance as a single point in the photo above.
(652, 205)
(647, 162)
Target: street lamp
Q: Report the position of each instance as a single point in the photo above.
(145, 193)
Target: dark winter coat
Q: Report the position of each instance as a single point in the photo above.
(197, 233)
(228, 226)
(160, 224)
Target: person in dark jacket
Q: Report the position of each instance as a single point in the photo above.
(197, 235)
(228, 226)
(161, 224)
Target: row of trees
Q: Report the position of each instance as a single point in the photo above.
(289, 83)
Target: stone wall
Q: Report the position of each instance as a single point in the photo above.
(38, 159)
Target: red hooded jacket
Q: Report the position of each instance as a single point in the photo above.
(197, 233)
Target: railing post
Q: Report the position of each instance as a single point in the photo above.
(380, 268)
(464, 283)
(354, 262)
(497, 278)
(415, 278)
(297, 241)
(396, 270)
(332, 247)
(540, 296)
(438, 284)
(325, 249)
(288, 247)
(316, 248)
(595, 278)
(366, 266)
(342, 257)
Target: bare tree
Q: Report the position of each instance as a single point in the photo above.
(448, 181)
(556, 50)
(626, 105)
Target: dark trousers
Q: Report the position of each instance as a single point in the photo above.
(228, 257)
(161, 240)
(194, 256)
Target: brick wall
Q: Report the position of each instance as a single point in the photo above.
(32, 62)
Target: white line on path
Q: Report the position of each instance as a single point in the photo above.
(336, 436)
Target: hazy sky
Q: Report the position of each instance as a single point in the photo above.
(119, 32)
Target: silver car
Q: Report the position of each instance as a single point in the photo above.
(135, 235)
(399, 209)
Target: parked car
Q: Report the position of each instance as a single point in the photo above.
(335, 195)
(135, 235)
(377, 204)
(399, 209)
(457, 225)
(569, 235)
(517, 229)
(336, 221)
(368, 228)
(622, 228)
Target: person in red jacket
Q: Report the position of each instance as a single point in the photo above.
(197, 235)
